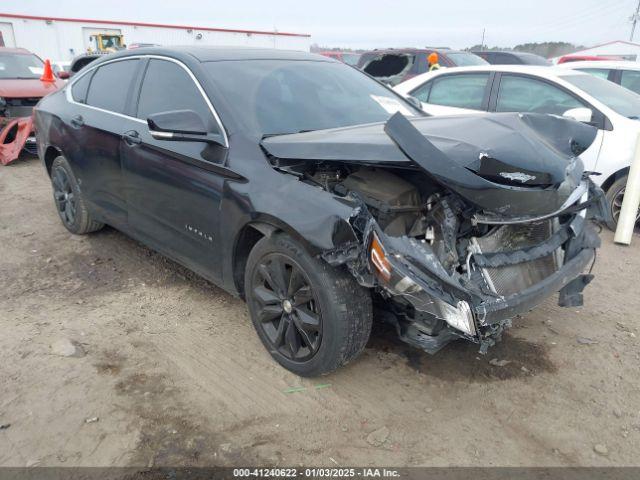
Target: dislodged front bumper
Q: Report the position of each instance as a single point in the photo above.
(418, 284)
(15, 134)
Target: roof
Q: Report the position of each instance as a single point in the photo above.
(15, 51)
(540, 70)
(441, 50)
(610, 64)
(221, 53)
(145, 24)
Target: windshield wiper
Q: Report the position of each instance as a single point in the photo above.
(633, 117)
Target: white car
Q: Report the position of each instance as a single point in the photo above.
(613, 110)
(624, 73)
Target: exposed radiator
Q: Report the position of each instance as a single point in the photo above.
(515, 278)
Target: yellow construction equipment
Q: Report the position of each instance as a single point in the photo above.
(105, 42)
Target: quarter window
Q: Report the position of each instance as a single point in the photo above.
(80, 87)
(110, 85)
(521, 94)
(462, 91)
(631, 79)
(167, 86)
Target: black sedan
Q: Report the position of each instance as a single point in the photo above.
(320, 196)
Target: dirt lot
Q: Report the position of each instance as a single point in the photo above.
(172, 373)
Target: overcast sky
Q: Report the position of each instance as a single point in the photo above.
(374, 23)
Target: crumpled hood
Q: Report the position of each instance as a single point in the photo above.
(496, 161)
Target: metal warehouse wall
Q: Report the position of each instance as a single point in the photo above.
(63, 40)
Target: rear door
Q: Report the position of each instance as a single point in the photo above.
(174, 188)
(455, 94)
(524, 93)
(102, 99)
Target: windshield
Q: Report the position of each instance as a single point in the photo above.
(618, 99)
(464, 59)
(271, 97)
(20, 66)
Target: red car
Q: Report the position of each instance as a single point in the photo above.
(21, 88)
(585, 58)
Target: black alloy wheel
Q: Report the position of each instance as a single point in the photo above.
(287, 309)
(64, 197)
(616, 206)
(615, 197)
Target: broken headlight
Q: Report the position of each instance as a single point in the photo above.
(397, 283)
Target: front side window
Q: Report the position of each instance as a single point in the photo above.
(523, 94)
(110, 85)
(166, 87)
(19, 66)
(617, 98)
(631, 79)
(461, 91)
(597, 72)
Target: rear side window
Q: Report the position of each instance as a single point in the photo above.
(110, 85)
(167, 86)
(521, 94)
(631, 79)
(461, 91)
(596, 72)
(80, 87)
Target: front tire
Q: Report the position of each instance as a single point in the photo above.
(69, 200)
(311, 317)
(615, 195)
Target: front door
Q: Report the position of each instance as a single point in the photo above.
(173, 188)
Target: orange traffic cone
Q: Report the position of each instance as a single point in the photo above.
(47, 75)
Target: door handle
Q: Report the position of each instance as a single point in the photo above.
(131, 138)
(77, 121)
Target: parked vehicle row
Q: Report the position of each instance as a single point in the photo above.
(320, 195)
(613, 110)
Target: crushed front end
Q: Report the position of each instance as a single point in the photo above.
(479, 227)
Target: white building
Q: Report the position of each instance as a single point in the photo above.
(63, 38)
(617, 48)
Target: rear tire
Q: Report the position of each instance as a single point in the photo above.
(69, 200)
(311, 317)
(615, 195)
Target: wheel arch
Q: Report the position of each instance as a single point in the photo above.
(50, 154)
(249, 235)
(613, 177)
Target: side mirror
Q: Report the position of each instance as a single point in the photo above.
(580, 114)
(414, 101)
(181, 126)
(63, 75)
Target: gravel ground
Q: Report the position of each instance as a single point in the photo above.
(166, 369)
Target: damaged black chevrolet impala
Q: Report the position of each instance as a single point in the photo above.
(321, 197)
